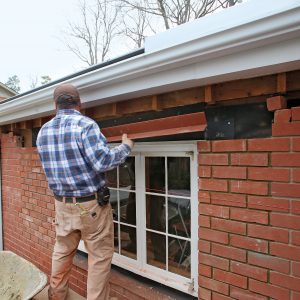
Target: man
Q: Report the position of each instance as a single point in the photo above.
(75, 155)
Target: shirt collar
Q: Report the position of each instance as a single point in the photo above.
(67, 112)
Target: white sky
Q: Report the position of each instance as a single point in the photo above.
(30, 42)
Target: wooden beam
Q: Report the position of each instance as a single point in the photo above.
(208, 95)
(187, 123)
(37, 123)
(154, 103)
(281, 83)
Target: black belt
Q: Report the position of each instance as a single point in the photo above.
(77, 199)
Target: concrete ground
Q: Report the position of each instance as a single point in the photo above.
(43, 295)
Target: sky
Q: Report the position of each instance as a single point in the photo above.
(30, 39)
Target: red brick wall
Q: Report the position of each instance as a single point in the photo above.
(249, 222)
(28, 209)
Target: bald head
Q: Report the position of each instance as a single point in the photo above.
(66, 96)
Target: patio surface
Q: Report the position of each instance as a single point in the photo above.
(43, 295)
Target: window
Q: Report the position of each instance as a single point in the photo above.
(155, 211)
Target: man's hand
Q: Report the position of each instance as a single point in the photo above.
(127, 141)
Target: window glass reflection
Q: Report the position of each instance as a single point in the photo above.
(128, 241)
(156, 213)
(156, 250)
(127, 174)
(179, 256)
(116, 238)
(114, 203)
(155, 174)
(179, 176)
(179, 217)
(111, 178)
(127, 207)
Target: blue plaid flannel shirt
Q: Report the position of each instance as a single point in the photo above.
(74, 154)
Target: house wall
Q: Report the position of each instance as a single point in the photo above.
(249, 214)
(249, 192)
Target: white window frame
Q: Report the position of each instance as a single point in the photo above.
(140, 266)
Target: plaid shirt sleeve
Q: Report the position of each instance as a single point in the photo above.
(99, 155)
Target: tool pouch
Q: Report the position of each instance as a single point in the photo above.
(103, 195)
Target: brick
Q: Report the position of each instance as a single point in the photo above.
(295, 236)
(295, 209)
(214, 210)
(269, 144)
(203, 146)
(275, 103)
(282, 116)
(204, 197)
(249, 243)
(249, 271)
(216, 296)
(213, 235)
(268, 233)
(269, 262)
(229, 172)
(229, 252)
(247, 215)
(230, 278)
(240, 294)
(213, 185)
(296, 269)
(214, 261)
(295, 296)
(204, 246)
(296, 113)
(285, 251)
(229, 146)
(204, 171)
(285, 221)
(269, 174)
(205, 270)
(203, 294)
(268, 203)
(213, 159)
(249, 187)
(204, 221)
(228, 226)
(228, 199)
(214, 285)
(268, 290)
(296, 144)
(285, 159)
(286, 129)
(296, 175)
(249, 159)
(285, 190)
(286, 281)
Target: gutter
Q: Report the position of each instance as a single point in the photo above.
(259, 47)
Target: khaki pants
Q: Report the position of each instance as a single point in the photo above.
(94, 225)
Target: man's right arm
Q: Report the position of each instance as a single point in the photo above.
(101, 157)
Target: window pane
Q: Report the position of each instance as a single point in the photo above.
(114, 203)
(127, 207)
(156, 213)
(179, 217)
(155, 174)
(116, 238)
(179, 257)
(179, 176)
(156, 250)
(111, 178)
(128, 241)
(127, 174)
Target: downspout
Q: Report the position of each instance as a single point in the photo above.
(1, 223)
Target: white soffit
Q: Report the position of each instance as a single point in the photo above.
(251, 39)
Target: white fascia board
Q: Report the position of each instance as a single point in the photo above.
(267, 45)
